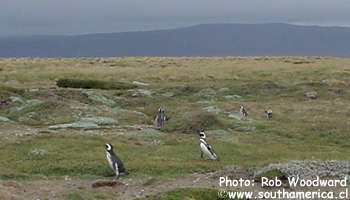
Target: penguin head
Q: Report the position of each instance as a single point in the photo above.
(268, 111)
(202, 134)
(241, 107)
(109, 147)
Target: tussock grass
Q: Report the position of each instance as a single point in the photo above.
(93, 84)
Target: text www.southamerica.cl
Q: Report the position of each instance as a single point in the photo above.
(309, 188)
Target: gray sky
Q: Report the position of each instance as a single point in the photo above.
(20, 17)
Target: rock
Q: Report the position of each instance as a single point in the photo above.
(99, 121)
(311, 95)
(206, 93)
(224, 89)
(99, 98)
(16, 99)
(33, 90)
(235, 116)
(141, 92)
(31, 116)
(27, 104)
(310, 169)
(246, 128)
(140, 83)
(75, 125)
(213, 109)
(168, 94)
(39, 152)
(4, 119)
(232, 97)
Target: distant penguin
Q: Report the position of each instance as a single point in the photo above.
(243, 111)
(205, 147)
(160, 118)
(163, 116)
(268, 114)
(114, 162)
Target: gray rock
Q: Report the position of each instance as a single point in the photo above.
(232, 97)
(16, 99)
(28, 117)
(4, 119)
(33, 90)
(213, 109)
(235, 116)
(246, 128)
(206, 93)
(99, 98)
(141, 92)
(224, 89)
(140, 83)
(168, 94)
(39, 152)
(311, 95)
(310, 169)
(99, 121)
(27, 104)
(75, 125)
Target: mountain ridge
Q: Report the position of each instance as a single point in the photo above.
(275, 39)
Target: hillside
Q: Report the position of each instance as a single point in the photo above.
(199, 40)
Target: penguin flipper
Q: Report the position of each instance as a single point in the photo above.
(116, 170)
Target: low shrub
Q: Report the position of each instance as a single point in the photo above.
(93, 84)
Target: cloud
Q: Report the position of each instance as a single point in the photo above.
(84, 16)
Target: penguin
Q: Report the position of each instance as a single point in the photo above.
(243, 111)
(205, 147)
(163, 117)
(160, 118)
(268, 114)
(114, 162)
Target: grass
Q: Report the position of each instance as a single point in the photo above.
(187, 193)
(68, 155)
(301, 128)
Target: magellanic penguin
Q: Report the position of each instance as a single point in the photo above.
(243, 111)
(114, 162)
(205, 147)
(160, 118)
(268, 114)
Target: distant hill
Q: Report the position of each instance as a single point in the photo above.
(199, 40)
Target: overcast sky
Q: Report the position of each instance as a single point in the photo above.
(23, 17)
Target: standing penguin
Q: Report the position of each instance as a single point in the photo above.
(160, 118)
(205, 147)
(114, 162)
(268, 114)
(243, 111)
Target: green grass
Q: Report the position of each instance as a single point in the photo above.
(74, 156)
(187, 193)
(300, 128)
